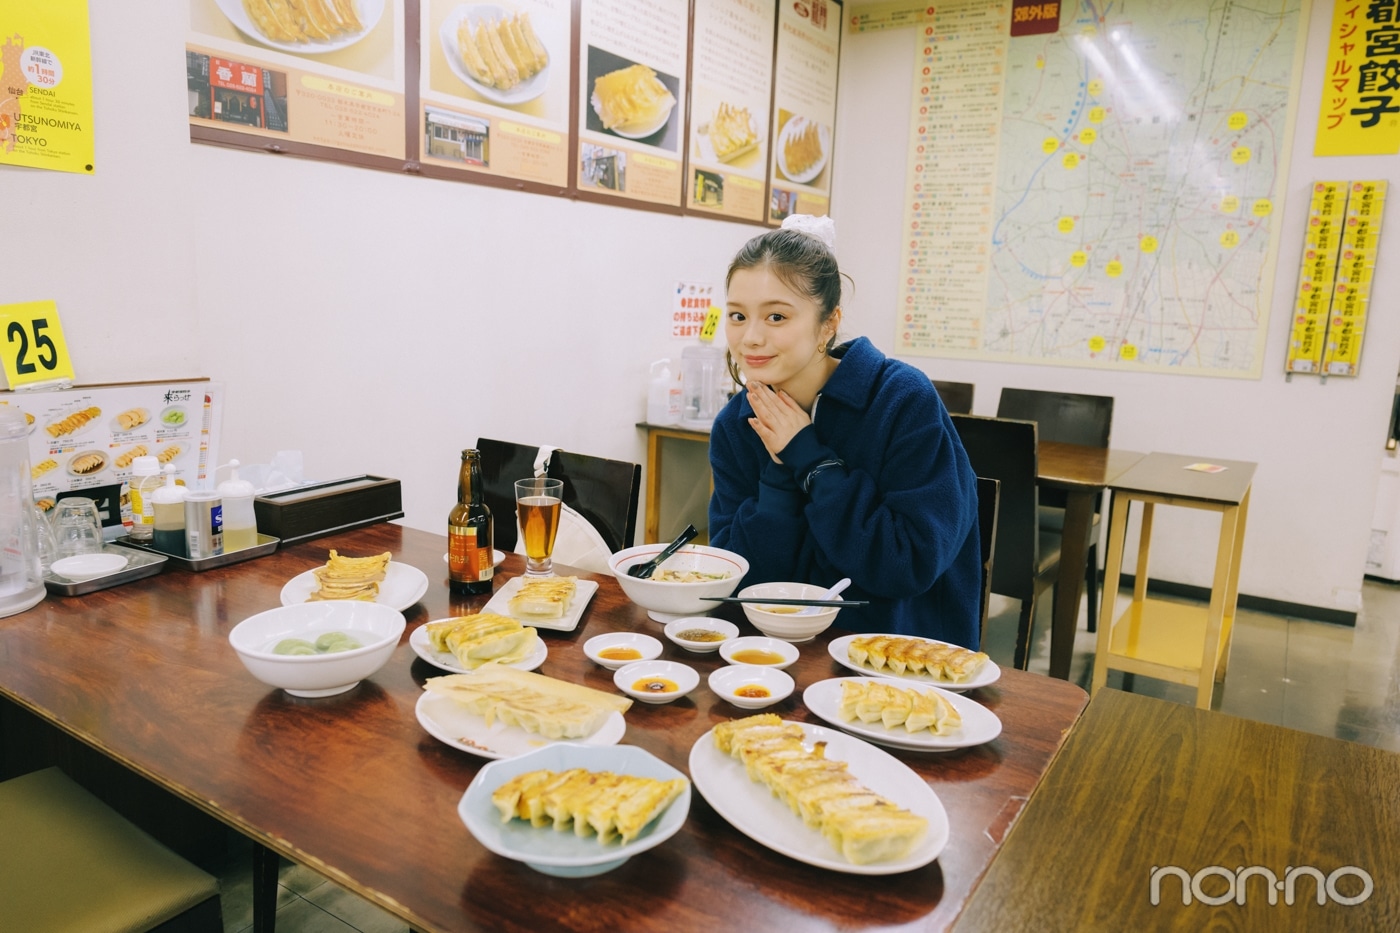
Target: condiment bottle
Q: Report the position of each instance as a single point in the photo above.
(145, 480)
(470, 568)
(204, 523)
(663, 394)
(240, 523)
(168, 503)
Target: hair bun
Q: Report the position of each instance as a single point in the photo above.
(823, 228)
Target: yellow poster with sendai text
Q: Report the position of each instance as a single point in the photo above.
(46, 85)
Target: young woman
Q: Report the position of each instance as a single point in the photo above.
(836, 461)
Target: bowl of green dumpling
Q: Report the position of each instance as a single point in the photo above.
(317, 649)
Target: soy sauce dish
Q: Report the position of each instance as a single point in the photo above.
(656, 681)
(750, 687)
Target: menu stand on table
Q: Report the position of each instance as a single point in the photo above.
(1171, 641)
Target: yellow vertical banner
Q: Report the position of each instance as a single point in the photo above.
(1317, 277)
(46, 85)
(1360, 109)
(1355, 266)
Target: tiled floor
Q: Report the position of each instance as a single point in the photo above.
(1328, 679)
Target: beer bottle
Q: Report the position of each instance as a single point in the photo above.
(469, 565)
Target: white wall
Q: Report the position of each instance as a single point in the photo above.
(1318, 446)
(379, 323)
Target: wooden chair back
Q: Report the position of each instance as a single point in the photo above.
(988, 491)
(956, 396)
(1063, 417)
(1004, 450)
(603, 491)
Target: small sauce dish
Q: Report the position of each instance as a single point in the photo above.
(656, 681)
(701, 634)
(759, 650)
(749, 687)
(618, 649)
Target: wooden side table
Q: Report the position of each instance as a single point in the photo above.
(657, 433)
(1170, 641)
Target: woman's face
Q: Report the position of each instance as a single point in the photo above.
(774, 333)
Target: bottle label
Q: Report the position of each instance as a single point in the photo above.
(466, 561)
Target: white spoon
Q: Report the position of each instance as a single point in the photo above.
(829, 594)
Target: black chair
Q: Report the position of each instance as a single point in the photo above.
(957, 396)
(1066, 418)
(988, 490)
(1025, 562)
(602, 491)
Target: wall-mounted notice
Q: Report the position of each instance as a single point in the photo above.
(950, 187)
(731, 83)
(1355, 264)
(1360, 109)
(631, 109)
(326, 73)
(1317, 277)
(891, 14)
(495, 88)
(804, 104)
(46, 85)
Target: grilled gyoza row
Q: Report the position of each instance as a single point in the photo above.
(611, 805)
(916, 656)
(863, 826)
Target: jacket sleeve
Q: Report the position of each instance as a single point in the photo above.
(896, 531)
(756, 509)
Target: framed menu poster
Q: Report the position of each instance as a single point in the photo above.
(324, 76)
(804, 107)
(495, 89)
(731, 85)
(633, 59)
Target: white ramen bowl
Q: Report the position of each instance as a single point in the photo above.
(665, 601)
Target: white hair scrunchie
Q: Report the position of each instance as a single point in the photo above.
(823, 228)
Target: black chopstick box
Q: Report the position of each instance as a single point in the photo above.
(321, 508)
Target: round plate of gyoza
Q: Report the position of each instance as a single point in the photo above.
(883, 710)
(890, 841)
(646, 805)
(422, 646)
(914, 659)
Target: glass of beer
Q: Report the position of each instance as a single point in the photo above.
(537, 504)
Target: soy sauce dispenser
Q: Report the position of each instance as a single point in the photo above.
(169, 504)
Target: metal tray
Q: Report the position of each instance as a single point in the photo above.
(139, 563)
(266, 545)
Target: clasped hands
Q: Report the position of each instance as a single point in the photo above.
(777, 418)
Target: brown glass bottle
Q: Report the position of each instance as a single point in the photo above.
(470, 567)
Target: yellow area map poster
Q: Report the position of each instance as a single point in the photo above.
(46, 85)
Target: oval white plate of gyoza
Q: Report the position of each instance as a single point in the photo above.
(751, 807)
(979, 724)
(452, 724)
(565, 854)
(839, 649)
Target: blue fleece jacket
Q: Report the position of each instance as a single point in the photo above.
(899, 518)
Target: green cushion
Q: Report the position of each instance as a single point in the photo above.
(70, 863)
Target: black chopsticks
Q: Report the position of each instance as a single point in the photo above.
(842, 603)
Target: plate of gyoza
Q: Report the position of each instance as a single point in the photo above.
(501, 712)
(464, 643)
(555, 603)
(907, 716)
(819, 796)
(915, 659)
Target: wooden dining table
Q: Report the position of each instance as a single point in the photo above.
(1160, 816)
(353, 787)
(1083, 473)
